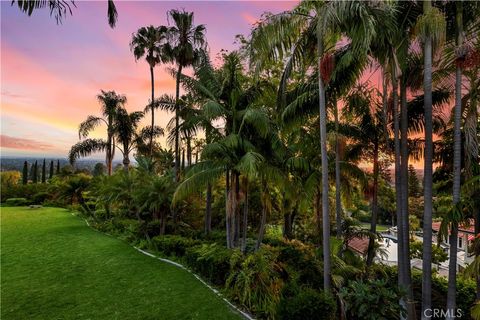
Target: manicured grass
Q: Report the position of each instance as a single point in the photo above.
(380, 228)
(55, 267)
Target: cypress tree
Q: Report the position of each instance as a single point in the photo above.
(32, 168)
(413, 182)
(35, 172)
(50, 176)
(44, 172)
(58, 166)
(25, 173)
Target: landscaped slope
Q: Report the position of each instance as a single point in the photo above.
(55, 267)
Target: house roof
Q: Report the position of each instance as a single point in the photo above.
(360, 245)
(464, 229)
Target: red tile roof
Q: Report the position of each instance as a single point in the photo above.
(359, 245)
(463, 229)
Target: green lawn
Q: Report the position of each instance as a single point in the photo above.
(380, 228)
(55, 267)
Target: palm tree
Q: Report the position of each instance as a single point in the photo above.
(148, 42)
(60, 8)
(221, 97)
(457, 164)
(154, 193)
(111, 103)
(225, 96)
(193, 120)
(125, 128)
(73, 187)
(185, 44)
(430, 27)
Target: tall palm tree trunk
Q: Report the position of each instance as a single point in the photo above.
(398, 188)
(177, 156)
(338, 200)
(245, 218)
(261, 231)
(208, 210)
(189, 150)
(404, 196)
(236, 213)
(152, 109)
(227, 209)
(126, 163)
(183, 160)
(109, 151)
(177, 119)
(163, 223)
(323, 152)
(472, 153)
(427, 178)
(457, 163)
(108, 159)
(373, 224)
(263, 219)
(385, 104)
(208, 204)
(287, 225)
(318, 214)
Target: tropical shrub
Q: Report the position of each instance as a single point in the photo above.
(300, 263)
(306, 303)
(15, 202)
(359, 297)
(26, 191)
(465, 288)
(40, 197)
(106, 226)
(131, 228)
(255, 281)
(173, 245)
(212, 261)
(466, 292)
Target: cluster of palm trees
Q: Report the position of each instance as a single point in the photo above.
(276, 127)
(122, 133)
(181, 44)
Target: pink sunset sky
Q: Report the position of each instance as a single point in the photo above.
(50, 74)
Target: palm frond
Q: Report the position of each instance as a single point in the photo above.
(88, 125)
(196, 182)
(85, 148)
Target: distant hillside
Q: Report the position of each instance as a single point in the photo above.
(7, 164)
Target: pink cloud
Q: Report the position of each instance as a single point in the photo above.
(249, 18)
(23, 144)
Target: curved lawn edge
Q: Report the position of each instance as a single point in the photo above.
(53, 267)
(178, 265)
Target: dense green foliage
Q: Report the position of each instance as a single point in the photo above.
(371, 301)
(307, 304)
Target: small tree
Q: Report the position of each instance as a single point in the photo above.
(99, 169)
(50, 176)
(44, 172)
(25, 173)
(34, 172)
(438, 254)
(58, 166)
